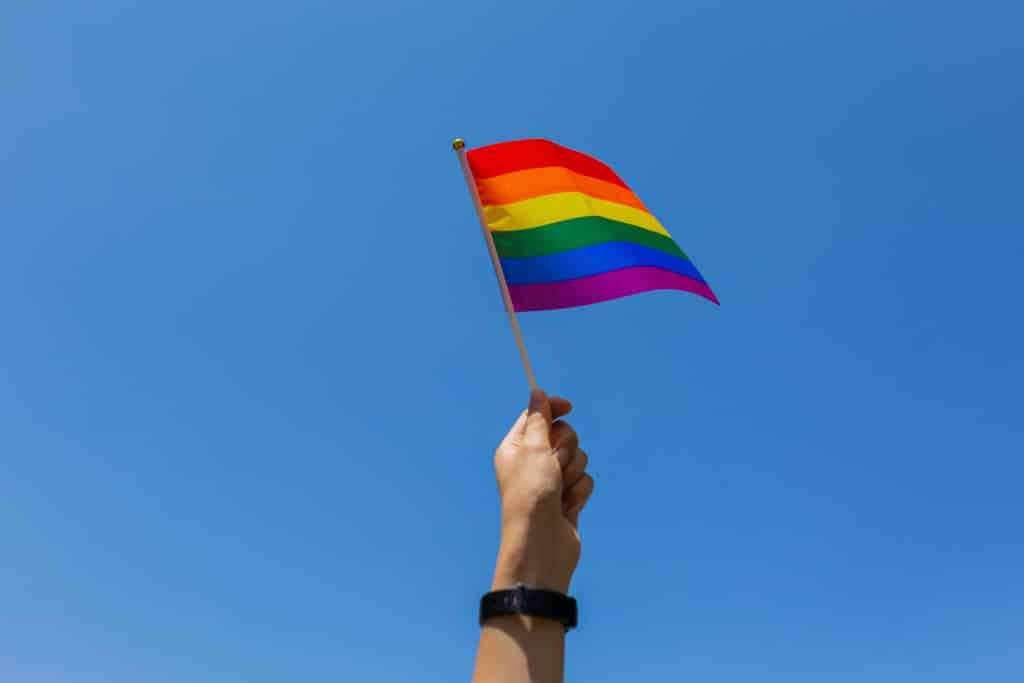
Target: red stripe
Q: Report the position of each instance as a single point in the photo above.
(517, 155)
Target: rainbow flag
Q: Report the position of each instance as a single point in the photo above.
(568, 230)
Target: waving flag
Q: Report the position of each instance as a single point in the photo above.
(569, 232)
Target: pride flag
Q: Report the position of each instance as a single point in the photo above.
(568, 230)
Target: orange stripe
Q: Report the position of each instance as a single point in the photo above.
(535, 182)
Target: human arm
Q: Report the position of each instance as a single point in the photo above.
(543, 487)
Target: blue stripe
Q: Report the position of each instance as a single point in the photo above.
(597, 258)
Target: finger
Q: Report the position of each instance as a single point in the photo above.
(538, 421)
(564, 441)
(575, 499)
(560, 407)
(573, 472)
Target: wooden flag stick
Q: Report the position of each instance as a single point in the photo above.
(459, 145)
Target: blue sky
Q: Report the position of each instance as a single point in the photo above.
(254, 364)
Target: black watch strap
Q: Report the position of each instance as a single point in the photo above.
(534, 602)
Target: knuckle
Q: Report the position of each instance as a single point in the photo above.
(503, 455)
(564, 457)
(565, 434)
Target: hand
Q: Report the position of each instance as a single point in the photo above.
(543, 486)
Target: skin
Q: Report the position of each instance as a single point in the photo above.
(543, 486)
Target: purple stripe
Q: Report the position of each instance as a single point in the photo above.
(603, 287)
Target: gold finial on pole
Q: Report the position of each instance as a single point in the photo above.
(458, 143)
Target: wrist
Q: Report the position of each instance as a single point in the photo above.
(518, 564)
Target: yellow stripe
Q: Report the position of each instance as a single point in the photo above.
(563, 206)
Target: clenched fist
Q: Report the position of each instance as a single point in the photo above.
(543, 484)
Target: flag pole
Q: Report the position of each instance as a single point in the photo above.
(459, 145)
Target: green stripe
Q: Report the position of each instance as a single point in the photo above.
(576, 233)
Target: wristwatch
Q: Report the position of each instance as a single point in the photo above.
(533, 602)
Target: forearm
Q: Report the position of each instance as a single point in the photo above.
(517, 648)
(520, 649)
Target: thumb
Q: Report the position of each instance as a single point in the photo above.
(538, 421)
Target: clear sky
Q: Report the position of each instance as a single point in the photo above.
(253, 364)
